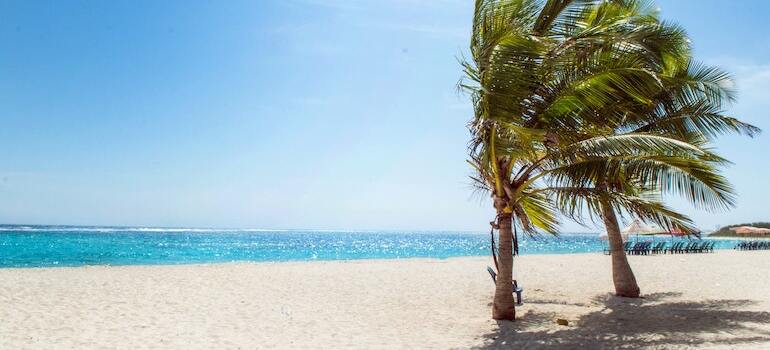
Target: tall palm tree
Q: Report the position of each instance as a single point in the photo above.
(528, 84)
(550, 83)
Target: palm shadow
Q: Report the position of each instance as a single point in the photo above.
(650, 322)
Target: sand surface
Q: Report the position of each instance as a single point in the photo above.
(710, 301)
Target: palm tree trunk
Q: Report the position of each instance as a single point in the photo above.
(622, 276)
(503, 306)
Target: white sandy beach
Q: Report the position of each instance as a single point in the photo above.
(719, 300)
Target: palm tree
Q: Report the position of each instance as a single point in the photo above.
(689, 108)
(538, 75)
(632, 184)
(551, 84)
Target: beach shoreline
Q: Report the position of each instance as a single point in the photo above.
(690, 300)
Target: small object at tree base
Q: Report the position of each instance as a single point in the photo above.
(562, 322)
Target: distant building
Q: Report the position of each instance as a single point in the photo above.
(750, 230)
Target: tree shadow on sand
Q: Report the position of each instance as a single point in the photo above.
(651, 322)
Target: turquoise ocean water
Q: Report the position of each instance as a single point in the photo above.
(45, 246)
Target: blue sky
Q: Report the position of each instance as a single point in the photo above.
(284, 114)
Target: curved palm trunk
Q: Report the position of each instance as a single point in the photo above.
(622, 276)
(503, 306)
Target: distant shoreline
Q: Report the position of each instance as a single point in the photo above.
(737, 238)
(729, 231)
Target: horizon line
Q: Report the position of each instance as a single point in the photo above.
(189, 228)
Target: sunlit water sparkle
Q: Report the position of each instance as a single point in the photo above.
(45, 246)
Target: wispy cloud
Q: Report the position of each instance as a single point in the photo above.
(314, 101)
(413, 16)
(333, 4)
(368, 4)
(319, 48)
(421, 28)
(752, 80)
(461, 106)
